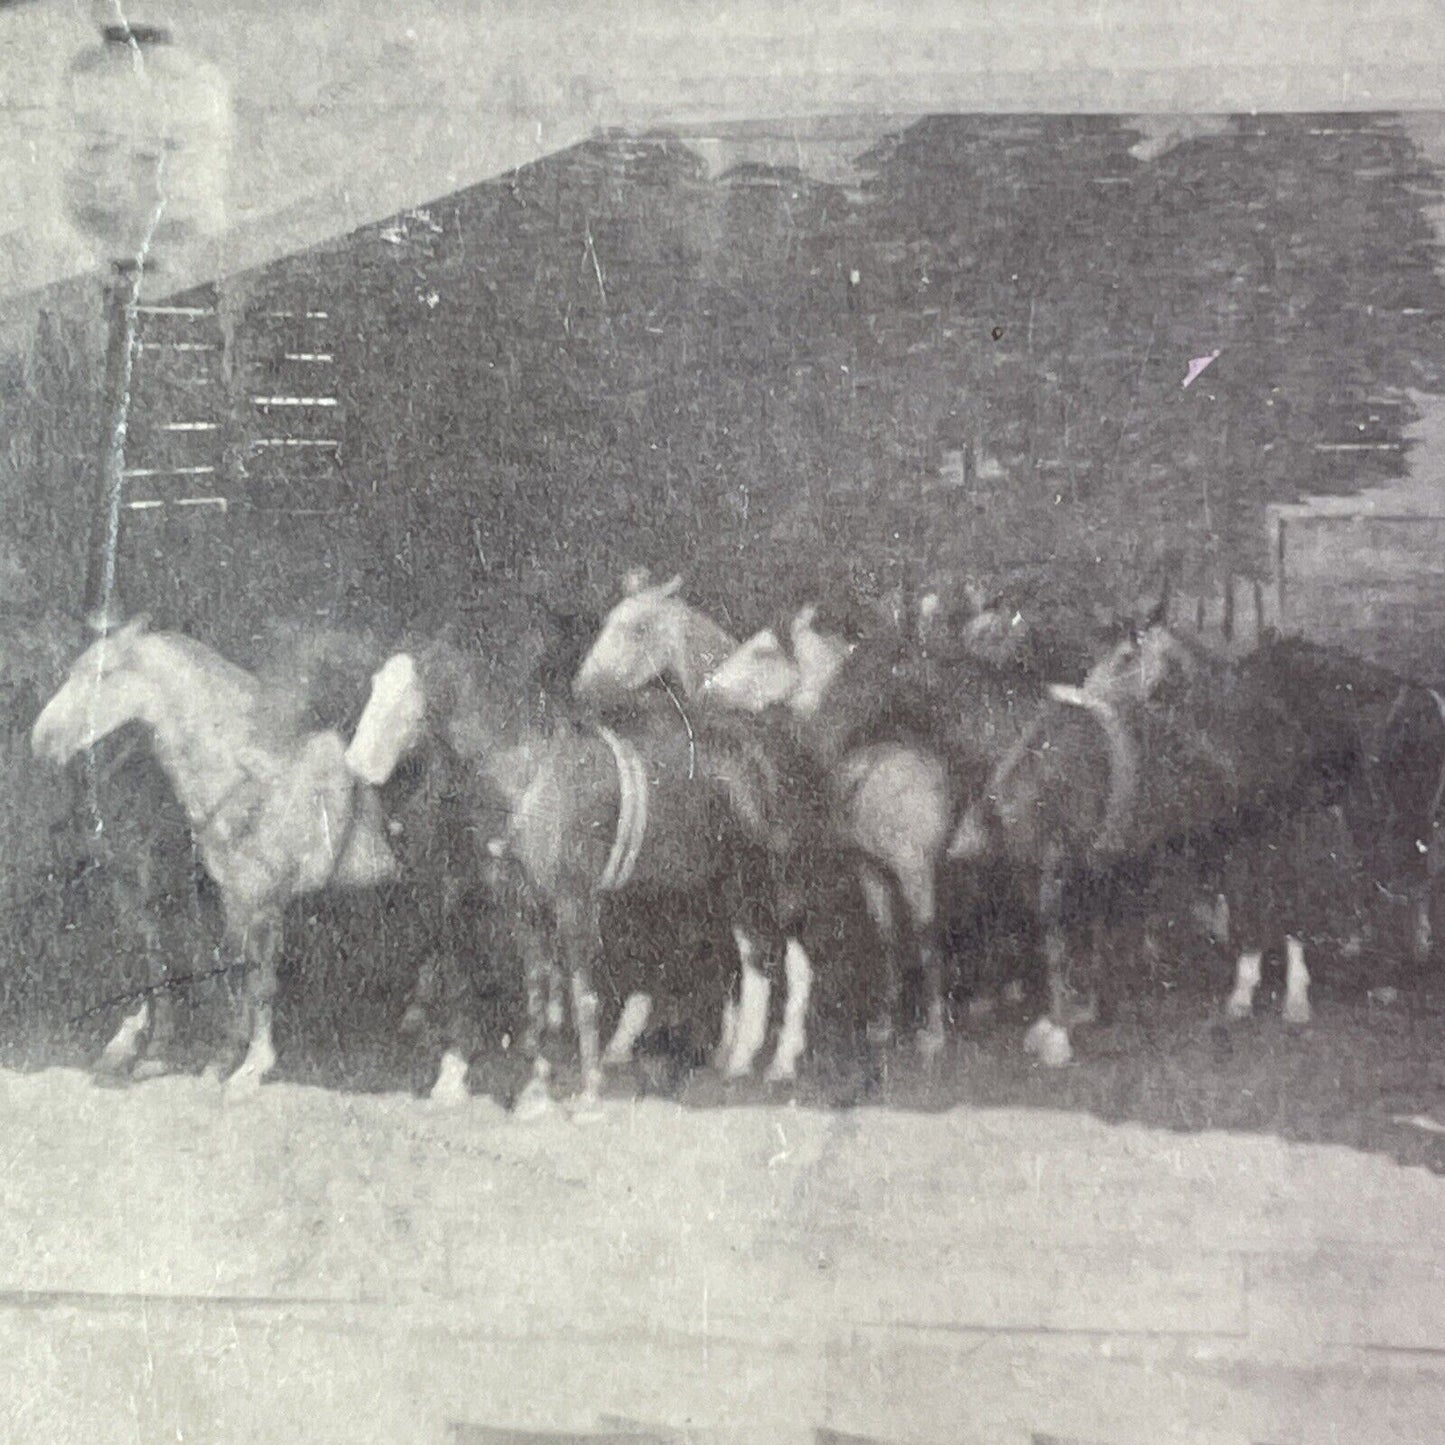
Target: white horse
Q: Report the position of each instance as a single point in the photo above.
(274, 810)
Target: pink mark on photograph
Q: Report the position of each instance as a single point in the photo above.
(1198, 365)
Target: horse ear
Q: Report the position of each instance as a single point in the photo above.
(1159, 612)
(635, 580)
(134, 626)
(672, 587)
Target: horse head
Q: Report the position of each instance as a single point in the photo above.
(1139, 668)
(791, 663)
(393, 722)
(760, 674)
(107, 687)
(651, 633)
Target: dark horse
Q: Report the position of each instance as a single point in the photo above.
(1167, 747)
(906, 739)
(653, 805)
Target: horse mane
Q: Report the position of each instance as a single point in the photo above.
(317, 679)
(206, 659)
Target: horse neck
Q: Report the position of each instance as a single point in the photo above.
(466, 713)
(202, 718)
(699, 648)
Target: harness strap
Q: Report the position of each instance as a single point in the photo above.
(201, 823)
(1123, 759)
(632, 792)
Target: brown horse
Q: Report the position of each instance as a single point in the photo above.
(890, 798)
(1163, 747)
(274, 811)
(656, 806)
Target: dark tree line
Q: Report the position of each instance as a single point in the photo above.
(971, 360)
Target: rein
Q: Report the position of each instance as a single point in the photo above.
(200, 824)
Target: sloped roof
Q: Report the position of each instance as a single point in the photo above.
(351, 110)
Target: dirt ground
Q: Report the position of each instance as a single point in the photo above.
(1196, 1233)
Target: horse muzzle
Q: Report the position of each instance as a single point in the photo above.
(49, 742)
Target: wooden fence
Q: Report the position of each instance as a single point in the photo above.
(1369, 582)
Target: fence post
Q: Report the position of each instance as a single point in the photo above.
(122, 294)
(1280, 574)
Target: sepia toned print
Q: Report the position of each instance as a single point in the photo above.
(739, 761)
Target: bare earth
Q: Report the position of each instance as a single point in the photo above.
(322, 1267)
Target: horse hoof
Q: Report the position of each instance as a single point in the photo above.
(151, 1069)
(104, 1078)
(1013, 991)
(412, 1021)
(450, 1088)
(1049, 1043)
(242, 1088)
(1239, 1008)
(533, 1102)
(1296, 1011)
(781, 1073)
(586, 1107)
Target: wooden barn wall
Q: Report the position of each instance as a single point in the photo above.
(972, 359)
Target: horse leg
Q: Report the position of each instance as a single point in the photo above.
(792, 1039)
(262, 945)
(1296, 982)
(450, 1084)
(636, 1011)
(917, 883)
(878, 899)
(1247, 969)
(120, 1053)
(131, 899)
(751, 1028)
(1422, 899)
(160, 1038)
(1049, 1035)
(580, 936)
(538, 974)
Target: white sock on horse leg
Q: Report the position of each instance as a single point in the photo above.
(125, 1043)
(1049, 1042)
(752, 1024)
(1246, 980)
(1422, 929)
(259, 1061)
(1296, 982)
(635, 1014)
(451, 1081)
(728, 1035)
(793, 1039)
